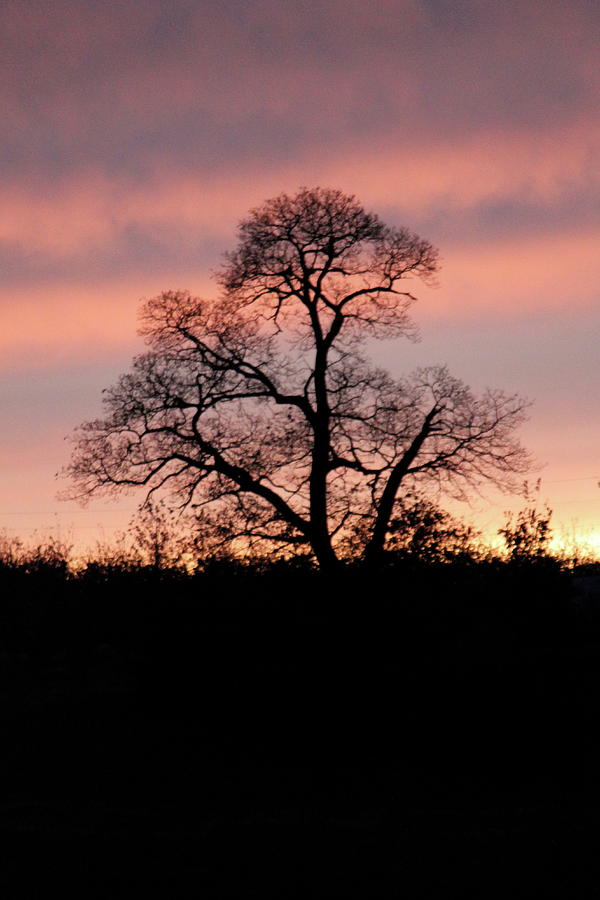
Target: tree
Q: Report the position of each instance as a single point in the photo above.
(528, 532)
(259, 411)
(156, 535)
(422, 531)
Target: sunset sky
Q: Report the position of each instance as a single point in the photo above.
(136, 134)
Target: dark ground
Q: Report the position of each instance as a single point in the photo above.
(427, 733)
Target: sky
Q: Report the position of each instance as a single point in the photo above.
(136, 134)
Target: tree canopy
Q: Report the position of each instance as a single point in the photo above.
(259, 411)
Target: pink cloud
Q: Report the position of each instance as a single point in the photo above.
(506, 279)
(89, 209)
(311, 70)
(513, 277)
(509, 275)
(66, 323)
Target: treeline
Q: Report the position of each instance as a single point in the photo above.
(420, 534)
(253, 727)
(438, 585)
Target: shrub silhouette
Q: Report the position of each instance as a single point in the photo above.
(527, 533)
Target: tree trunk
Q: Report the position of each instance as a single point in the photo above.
(375, 551)
(320, 538)
(326, 557)
(319, 519)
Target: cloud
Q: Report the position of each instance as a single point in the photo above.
(191, 83)
(135, 141)
(79, 255)
(467, 190)
(49, 326)
(516, 276)
(505, 279)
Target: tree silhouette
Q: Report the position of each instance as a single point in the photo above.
(259, 411)
(155, 534)
(422, 531)
(527, 533)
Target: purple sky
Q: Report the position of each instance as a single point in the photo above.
(137, 134)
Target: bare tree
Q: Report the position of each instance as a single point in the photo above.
(528, 532)
(155, 534)
(259, 410)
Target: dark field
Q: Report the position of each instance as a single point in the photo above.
(427, 732)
